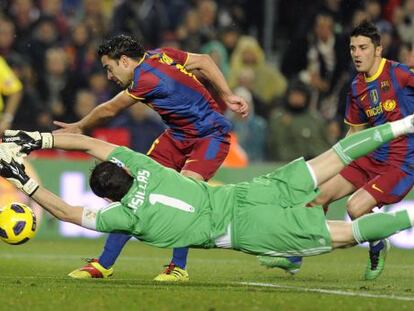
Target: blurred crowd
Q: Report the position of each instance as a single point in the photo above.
(296, 93)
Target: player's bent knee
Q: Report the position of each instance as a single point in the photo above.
(354, 210)
(322, 199)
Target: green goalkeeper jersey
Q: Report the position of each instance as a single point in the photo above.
(166, 209)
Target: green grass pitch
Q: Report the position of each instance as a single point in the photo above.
(33, 277)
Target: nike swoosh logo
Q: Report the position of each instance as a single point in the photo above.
(190, 160)
(375, 187)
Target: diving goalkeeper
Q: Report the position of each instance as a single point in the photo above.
(266, 216)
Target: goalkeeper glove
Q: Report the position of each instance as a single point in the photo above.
(28, 141)
(11, 150)
(14, 173)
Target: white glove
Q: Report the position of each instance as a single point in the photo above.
(12, 168)
(28, 141)
(11, 150)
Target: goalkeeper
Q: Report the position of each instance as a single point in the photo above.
(157, 205)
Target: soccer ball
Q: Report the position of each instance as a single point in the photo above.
(17, 223)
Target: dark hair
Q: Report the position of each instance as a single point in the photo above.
(120, 45)
(108, 180)
(298, 86)
(367, 29)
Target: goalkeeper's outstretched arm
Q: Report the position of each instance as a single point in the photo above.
(57, 207)
(95, 147)
(12, 168)
(29, 141)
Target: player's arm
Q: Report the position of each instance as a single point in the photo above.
(57, 207)
(209, 70)
(29, 141)
(10, 86)
(99, 114)
(12, 168)
(12, 103)
(97, 148)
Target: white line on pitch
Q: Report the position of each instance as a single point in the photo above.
(327, 291)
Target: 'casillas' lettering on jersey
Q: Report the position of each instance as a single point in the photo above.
(140, 194)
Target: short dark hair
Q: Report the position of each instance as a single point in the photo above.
(108, 180)
(120, 45)
(298, 86)
(367, 29)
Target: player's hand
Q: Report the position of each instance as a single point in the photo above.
(10, 150)
(12, 169)
(237, 104)
(28, 141)
(67, 127)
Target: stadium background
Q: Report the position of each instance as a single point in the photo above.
(266, 49)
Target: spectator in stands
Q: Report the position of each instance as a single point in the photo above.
(57, 89)
(251, 131)
(7, 36)
(229, 36)
(269, 83)
(45, 36)
(320, 61)
(294, 130)
(53, 9)
(141, 119)
(24, 15)
(219, 54)
(93, 15)
(403, 20)
(188, 32)
(207, 14)
(145, 20)
(99, 86)
(31, 114)
(81, 52)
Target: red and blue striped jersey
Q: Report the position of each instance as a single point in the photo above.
(186, 107)
(386, 96)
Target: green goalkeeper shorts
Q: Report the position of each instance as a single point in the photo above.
(271, 217)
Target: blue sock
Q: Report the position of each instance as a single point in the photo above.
(113, 247)
(295, 259)
(180, 257)
(377, 247)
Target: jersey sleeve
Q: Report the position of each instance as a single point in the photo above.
(354, 115)
(179, 56)
(115, 218)
(9, 83)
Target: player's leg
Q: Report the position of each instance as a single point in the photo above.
(325, 167)
(204, 156)
(102, 267)
(167, 151)
(334, 189)
(176, 269)
(370, 227)
(389, 186)
(163, 152)
(331, 162)
(361, 203)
